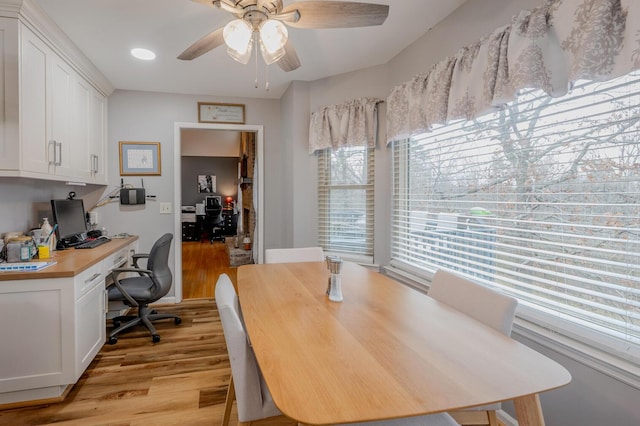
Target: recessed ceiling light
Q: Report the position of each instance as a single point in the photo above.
(144, 54)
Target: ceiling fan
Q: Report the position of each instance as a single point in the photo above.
(261, 22)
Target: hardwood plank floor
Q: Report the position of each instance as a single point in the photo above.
(182, 380)
(202, 263)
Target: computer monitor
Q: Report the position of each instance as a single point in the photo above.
(70, 217)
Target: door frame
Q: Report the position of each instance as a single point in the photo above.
(258, 188)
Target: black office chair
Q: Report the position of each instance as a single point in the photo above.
(213, 221)
(152, 283)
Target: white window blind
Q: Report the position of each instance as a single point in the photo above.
(345, 200)
(541, 200)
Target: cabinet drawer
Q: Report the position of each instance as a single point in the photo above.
(88, 279)
(119, 259)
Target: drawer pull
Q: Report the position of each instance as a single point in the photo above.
(92, 278)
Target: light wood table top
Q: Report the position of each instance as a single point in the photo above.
(387, 351)
(70, 262)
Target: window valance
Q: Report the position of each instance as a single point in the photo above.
(353, 123)
(547, 48)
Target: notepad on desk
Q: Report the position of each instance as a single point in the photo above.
(25, 266)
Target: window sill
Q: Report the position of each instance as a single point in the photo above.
(617, 368)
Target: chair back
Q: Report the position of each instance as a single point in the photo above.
(494, 309)
(158, 264)
(251, 395)
(293, 255)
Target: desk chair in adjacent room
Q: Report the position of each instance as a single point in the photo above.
(291, 255)
(213, 222)
(246, 384)
(150, 285)
(483, 304)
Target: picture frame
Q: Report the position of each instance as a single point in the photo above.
(140, 159)
(211, 112)
(206, 184)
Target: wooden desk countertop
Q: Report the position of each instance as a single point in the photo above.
(71, 262)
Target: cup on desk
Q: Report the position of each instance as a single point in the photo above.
(43, 251)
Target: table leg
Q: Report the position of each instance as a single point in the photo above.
(529, 410)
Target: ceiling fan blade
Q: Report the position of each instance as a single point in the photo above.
(202, 46)
(337, 14)
(290, 60)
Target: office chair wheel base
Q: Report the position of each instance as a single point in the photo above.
(177, 321)
(155, 338)
(113, 340)
(116, 324)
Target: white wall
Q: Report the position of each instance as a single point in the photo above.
(143, 116)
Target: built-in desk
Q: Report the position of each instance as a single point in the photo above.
(53, 321)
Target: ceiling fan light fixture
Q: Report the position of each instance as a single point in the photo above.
(241, 56)
(273, 35)
(237, 36)
(271, 57)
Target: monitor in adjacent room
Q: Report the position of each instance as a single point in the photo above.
(70, 217)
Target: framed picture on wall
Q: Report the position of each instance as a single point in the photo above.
(140, 159)
(207, 183)
(220, 113)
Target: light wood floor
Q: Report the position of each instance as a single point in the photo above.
(202, 263)
(182, 380)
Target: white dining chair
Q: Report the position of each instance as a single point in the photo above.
(247, 386)
(292, 255)
(483, 304)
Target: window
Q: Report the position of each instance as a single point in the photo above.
(541, 200)
(345, 201)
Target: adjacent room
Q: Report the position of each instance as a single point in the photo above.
(282, 212)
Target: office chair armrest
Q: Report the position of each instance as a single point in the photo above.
(137, 256)
(116, 281)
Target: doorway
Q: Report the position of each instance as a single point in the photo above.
(258, 187)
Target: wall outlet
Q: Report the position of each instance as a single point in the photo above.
(165, 208)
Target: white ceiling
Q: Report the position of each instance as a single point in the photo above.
(106, 30)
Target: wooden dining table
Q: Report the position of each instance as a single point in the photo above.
(386, 351)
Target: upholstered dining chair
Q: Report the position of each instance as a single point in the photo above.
(291, 255)
(246, 384)
(483, 304)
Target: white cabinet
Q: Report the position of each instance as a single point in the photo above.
(61, 117)
(98, 137)
(89, 321)
(53, 328)
(37, 152)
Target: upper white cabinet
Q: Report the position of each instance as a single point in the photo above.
(61, 116)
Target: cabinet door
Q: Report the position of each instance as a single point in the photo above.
(97, 135)
(80, 160)
(61, 124)
(37, 151)
(90, 326)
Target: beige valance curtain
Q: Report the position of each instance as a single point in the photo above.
(547, 48)
(352, 123)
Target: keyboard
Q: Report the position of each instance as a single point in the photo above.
(24, 266)
(92, 243)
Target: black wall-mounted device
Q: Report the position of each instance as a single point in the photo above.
(132, 196)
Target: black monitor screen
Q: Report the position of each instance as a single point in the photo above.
(70, 218)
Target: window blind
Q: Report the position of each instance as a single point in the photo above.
(345, 200)
(540, 200)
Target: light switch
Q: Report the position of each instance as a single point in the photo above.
(165, 208)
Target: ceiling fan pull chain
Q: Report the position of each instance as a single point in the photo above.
(256, 50)
(266, 77)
